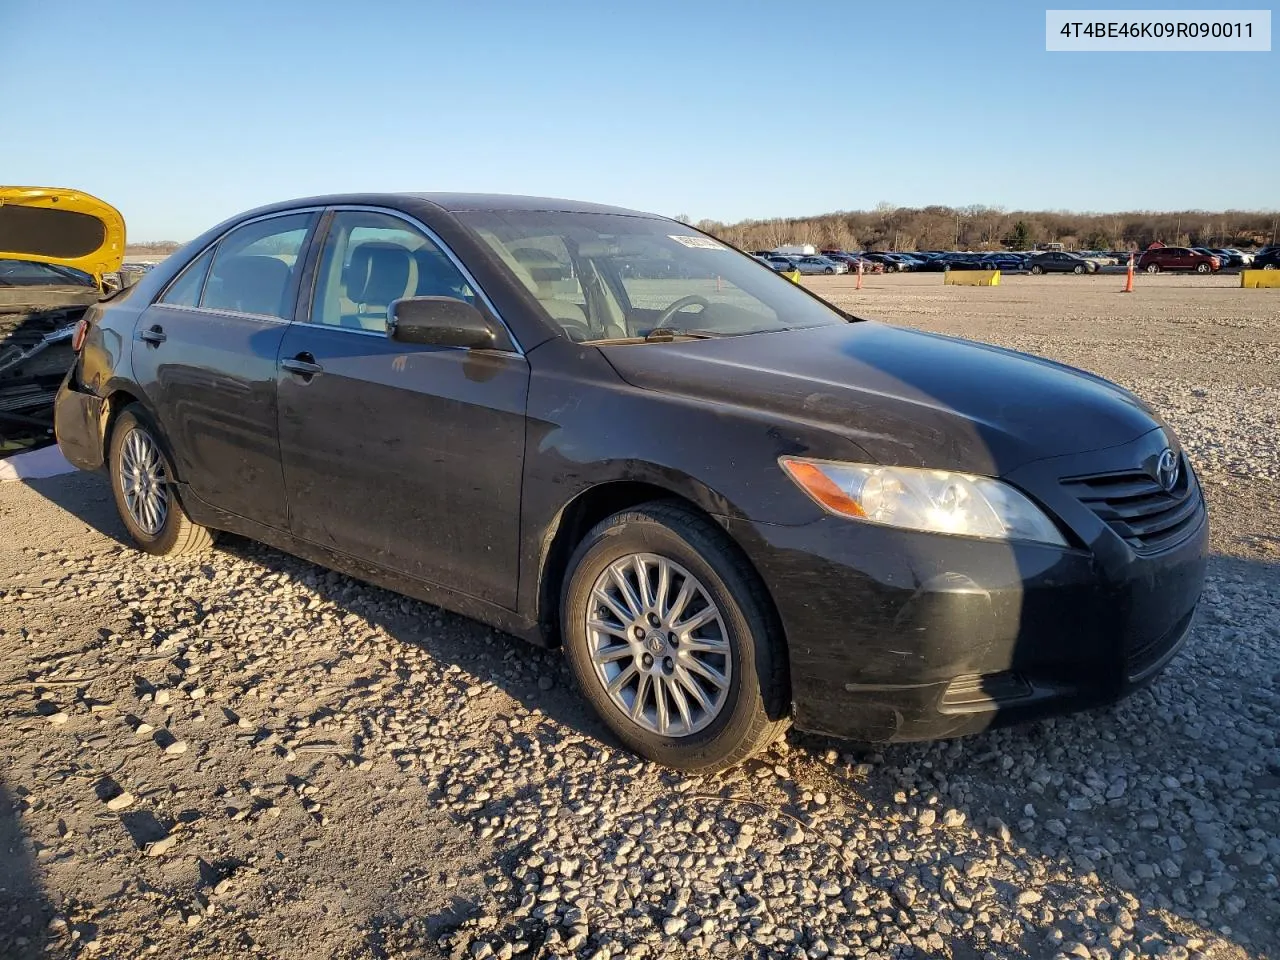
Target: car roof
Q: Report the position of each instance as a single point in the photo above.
(461, 202)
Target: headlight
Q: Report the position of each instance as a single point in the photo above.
(935, 501)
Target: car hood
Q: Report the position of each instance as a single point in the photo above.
(62, 226)
(905, 397)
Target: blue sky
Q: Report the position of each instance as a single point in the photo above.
(193, 112)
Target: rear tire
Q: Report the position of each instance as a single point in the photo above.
(1268, 266)
(141, 481)
(742, 644)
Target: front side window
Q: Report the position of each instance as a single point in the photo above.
(371, 260)
(254, 266)
(601, 276)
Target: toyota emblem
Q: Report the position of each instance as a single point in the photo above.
(1167, 470)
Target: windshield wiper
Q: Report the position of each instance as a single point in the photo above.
(670, 333)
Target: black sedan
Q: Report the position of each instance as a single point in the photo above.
(733, 505)
(1268, 258)
(1058, 261)
(954, 261)
(1007, 262)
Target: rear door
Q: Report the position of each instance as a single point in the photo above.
(205, 354)
(404, 455)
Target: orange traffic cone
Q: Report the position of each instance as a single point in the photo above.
(859, 284)
(1128, 280)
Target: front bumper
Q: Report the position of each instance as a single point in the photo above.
(895, 635)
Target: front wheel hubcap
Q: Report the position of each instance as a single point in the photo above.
(142, 481)
(659, 646)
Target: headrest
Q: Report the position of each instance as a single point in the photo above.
(436, 275)
(254, 284)
(378, 273)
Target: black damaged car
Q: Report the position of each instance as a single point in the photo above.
(733, 505)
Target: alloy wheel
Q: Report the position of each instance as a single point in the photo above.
(659, 645)
(143, 482)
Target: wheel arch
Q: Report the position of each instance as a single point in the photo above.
(122, 395)
(589, 507)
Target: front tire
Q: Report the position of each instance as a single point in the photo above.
(1268, 266)
(1203, 268)
(1037, 269)
(1153, 268)
(672, 639)
(1079, 268)
(141, 481)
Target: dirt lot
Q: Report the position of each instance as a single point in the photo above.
(245, 755)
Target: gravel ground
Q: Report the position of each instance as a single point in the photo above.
(246, 755)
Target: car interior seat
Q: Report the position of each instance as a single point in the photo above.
(376, 274)
(250, 284)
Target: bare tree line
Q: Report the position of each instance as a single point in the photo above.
(158, 248)
(991, 228)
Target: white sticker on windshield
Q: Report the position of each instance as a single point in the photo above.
(697, 243)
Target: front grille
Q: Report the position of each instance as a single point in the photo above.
(1144, 514)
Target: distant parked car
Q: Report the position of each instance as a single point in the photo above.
(954, 261)
(891, 261)
(851, 260)
(1268, 258)
(1223, 259)
(817, 264)
(941, 262)
(1058, 261)
(1231, 257)
(1008, 262)
(1177, 258)
(780, 263)
(1099, 257)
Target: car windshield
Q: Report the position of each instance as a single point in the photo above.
(601, 276)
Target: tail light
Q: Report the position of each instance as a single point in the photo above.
(77, 338)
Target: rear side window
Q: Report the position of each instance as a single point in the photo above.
(185, 291)
(255, 265)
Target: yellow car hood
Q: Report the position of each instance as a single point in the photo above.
(62, 226)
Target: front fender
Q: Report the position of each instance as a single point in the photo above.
(586, 427)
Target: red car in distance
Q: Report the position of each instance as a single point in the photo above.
(1177, 258)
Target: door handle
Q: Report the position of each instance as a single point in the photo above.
(304, 364)
(153, 335)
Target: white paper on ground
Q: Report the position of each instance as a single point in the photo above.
(34, 464)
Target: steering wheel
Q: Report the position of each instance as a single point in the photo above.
(690, 301)
(576, 330)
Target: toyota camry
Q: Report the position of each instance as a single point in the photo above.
(735, 506)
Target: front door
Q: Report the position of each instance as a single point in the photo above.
(403, 455)
(205, 354)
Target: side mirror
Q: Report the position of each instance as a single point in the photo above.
(439, 322)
